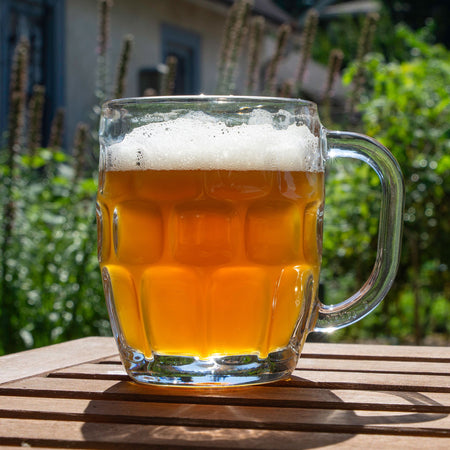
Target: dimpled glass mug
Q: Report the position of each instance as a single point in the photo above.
(210, 234)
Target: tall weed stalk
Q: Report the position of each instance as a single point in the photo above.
(17, 98)
(235, 30)
(284, 32)
(307, 40)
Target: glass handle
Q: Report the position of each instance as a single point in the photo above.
(357, 146)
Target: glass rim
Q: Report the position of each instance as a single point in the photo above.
(167, 99)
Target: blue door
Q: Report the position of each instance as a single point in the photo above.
(42, 23)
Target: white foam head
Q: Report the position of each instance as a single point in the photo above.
(199, 141)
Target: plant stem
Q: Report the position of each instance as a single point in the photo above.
(18, 85)
(79, 150)
(334, 67)
(168, 78)
(122, 68)
(283, 34)
(36, 109)
(286, 90)
(257, 25)
(235, 30)
(57, 130)
(364, 47)
(103, 42)
(307, 40)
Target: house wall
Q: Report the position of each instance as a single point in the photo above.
(142, 19)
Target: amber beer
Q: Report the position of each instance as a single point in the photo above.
(211, 262)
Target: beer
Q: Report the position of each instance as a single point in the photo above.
(208, 248)
(210, 262)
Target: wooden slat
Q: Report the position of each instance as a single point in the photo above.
(89, 370)
(46, 359)
(25, 444)
(11, 447)
(269, 395)
(225, 416)
(376, 352)
(367, 352)
(387, 367)
(125, 436)
(331, 379)
(369, 381)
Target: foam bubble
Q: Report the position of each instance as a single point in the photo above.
(200, 141)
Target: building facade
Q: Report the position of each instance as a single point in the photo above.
(63, 36)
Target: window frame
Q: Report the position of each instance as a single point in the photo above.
(172, 36)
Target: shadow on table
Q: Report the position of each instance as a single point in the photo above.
(129, 415)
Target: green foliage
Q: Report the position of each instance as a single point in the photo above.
(342, 33)
(350, 229)
(406, 106)
(51, 276)
(50, 284)
(394, 42)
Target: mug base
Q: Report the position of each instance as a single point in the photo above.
(215, 371)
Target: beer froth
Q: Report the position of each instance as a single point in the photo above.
(197, 141)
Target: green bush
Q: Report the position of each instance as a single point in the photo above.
(50, 285)
(406, 106)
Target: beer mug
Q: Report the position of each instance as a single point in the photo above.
(209, 215)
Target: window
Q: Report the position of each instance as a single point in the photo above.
(41, 22)
(185, 46)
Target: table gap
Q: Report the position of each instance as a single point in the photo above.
(419, 359)
(236, 424)
(357, 385)
(268, 402)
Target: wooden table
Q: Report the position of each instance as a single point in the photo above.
(76, 395)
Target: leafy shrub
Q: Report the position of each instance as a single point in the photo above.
(51, 286)
(406, 106)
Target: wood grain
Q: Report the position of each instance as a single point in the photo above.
(367, 352)
(339, 379)
(412, 368)
(340, 396)
(285, 397)
(46, 359)
(247, 417)
(122, 436)
(377, 352)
